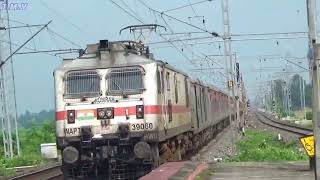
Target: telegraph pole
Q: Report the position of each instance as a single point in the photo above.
(315, 61)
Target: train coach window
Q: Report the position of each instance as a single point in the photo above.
(125, 80)
(187, 91)
(82, 83)
(159, 85)
(168, 81)
(176, 90)
(160, 81)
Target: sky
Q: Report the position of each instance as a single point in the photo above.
(77, 23)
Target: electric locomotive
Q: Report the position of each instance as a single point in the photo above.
(120, 113)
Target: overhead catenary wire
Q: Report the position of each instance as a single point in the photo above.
(47, 51)
(20, 47)
(30, 49)
(33, 41)
(167, 40)
(127, 12)
(133, 16)
(233, 40)
(193, 10)
(24, 26)
(242, 34)
(187, 5)
(61, 16)
(130, 9)
(50, 30)
(179, 20)
(63, 37)
(205, 57)
(244, 39)
(184, 44)
(192, 62)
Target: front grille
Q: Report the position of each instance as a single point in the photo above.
(82, 84)
(125, 80)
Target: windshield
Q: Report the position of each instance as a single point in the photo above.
(125, 80)
(82, 84)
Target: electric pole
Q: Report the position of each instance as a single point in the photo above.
(314, 62)
(229, 68)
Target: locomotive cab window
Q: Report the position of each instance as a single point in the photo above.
(82, 84)
(125, 80)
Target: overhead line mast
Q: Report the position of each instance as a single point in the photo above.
(314, 58)
(229, 67)
(8, 109)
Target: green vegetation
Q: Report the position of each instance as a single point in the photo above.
(31, 139)
(205, 174)
(263, 146)
(27, 119)
(309, 115)
(279, 96)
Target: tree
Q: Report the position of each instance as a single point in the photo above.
(295, 92)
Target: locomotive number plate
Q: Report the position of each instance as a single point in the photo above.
(72, 130)
(101, 100)
(141, 126)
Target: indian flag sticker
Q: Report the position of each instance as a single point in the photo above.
(85, 115)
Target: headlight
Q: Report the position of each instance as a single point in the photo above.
(101, 114)
(140, 111)
(71, 116)
(110, 113)
(105, 113)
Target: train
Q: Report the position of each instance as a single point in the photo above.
(121, 113)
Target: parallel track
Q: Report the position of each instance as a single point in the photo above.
(296, 129)
(51, 173)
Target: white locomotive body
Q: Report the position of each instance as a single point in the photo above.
(117, 106)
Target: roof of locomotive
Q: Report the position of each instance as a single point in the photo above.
(118, 54)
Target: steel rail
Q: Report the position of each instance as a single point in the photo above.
(51, 173)
(296, 129)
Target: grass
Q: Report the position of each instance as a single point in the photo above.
(264, 146)
(25, 160)
(205, 174)
(259, 146)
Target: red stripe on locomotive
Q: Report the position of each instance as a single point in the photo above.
(121, 111)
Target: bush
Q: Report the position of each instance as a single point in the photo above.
(30, 140)
(309, 115)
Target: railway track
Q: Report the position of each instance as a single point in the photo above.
(293, 128)
(51, 173)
